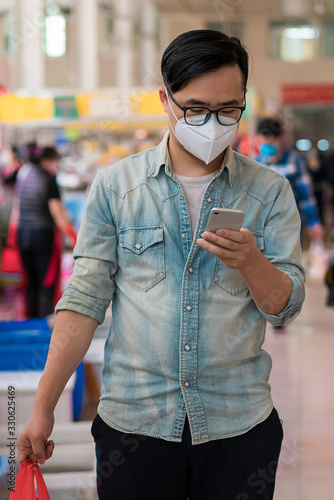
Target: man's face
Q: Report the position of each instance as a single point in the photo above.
(223, 87)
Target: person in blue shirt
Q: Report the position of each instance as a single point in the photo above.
(185, 409)
(290, 164)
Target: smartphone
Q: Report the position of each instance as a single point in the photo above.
(225, 218)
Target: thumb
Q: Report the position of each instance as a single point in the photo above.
(49, 449)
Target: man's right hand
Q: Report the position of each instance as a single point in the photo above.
(33, 442)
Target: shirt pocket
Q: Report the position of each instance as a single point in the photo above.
(141, 255)
(231, 280)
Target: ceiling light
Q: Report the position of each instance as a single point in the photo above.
(302, 33)
(303, 145)
(323, 145)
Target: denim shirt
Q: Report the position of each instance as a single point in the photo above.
(185, 335)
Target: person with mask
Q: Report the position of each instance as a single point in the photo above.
(185, 408)
(290, 164)
(41, 219)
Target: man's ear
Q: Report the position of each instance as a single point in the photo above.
(163, 99)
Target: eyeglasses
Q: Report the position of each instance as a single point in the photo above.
(199, 115)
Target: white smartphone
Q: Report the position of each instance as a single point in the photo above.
(225, 218)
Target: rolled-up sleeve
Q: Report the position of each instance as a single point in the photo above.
(283, 250)
(91, 286)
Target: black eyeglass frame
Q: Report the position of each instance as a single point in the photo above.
(210, 112)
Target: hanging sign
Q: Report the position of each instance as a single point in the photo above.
(65, 107)
(305, 94)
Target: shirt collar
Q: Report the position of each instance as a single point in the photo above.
(162, 159)
(229, 163)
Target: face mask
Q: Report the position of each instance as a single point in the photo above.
(207, 141)
(268, 150)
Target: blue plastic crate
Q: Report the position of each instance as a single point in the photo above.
(27, 324)
(25, 337)
(14, 357)
(18, 353)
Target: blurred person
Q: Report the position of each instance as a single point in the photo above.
(3, 219)
(327, 161)
(317, 171)
(329, 277)
(321, 168)
(31, 152)
(41, 217)
(290, 164)
(185, 410)
(10, 165)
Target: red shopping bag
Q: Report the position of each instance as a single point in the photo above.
(29, 483)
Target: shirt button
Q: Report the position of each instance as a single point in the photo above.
(138, 246)
(209, 200)
(189, 308)
(184, 235)
(187, 347)
(190, 270)
(186, 384)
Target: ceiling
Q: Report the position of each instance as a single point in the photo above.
(234, 8)
(222, 9)
(215, 6)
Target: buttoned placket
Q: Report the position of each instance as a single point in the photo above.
(189, 317)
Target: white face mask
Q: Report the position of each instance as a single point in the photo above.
(207, 141)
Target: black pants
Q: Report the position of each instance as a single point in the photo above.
(36, 249)
(136, 467)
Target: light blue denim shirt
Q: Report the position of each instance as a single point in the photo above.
(186, 335)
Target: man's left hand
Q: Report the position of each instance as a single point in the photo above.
(236, 249)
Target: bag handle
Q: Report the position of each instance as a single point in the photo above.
(41, 487)
(25, 488)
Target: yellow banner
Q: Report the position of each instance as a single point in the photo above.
(120, 107)
(15, 109)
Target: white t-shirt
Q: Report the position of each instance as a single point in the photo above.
(194, 188)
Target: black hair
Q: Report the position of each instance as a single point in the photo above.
(270, 127)
(32, 152)
(200, 51)
(48, 153)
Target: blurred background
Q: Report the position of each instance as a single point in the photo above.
(82, 76)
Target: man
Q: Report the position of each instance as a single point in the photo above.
(291, 165)
(185, 409)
